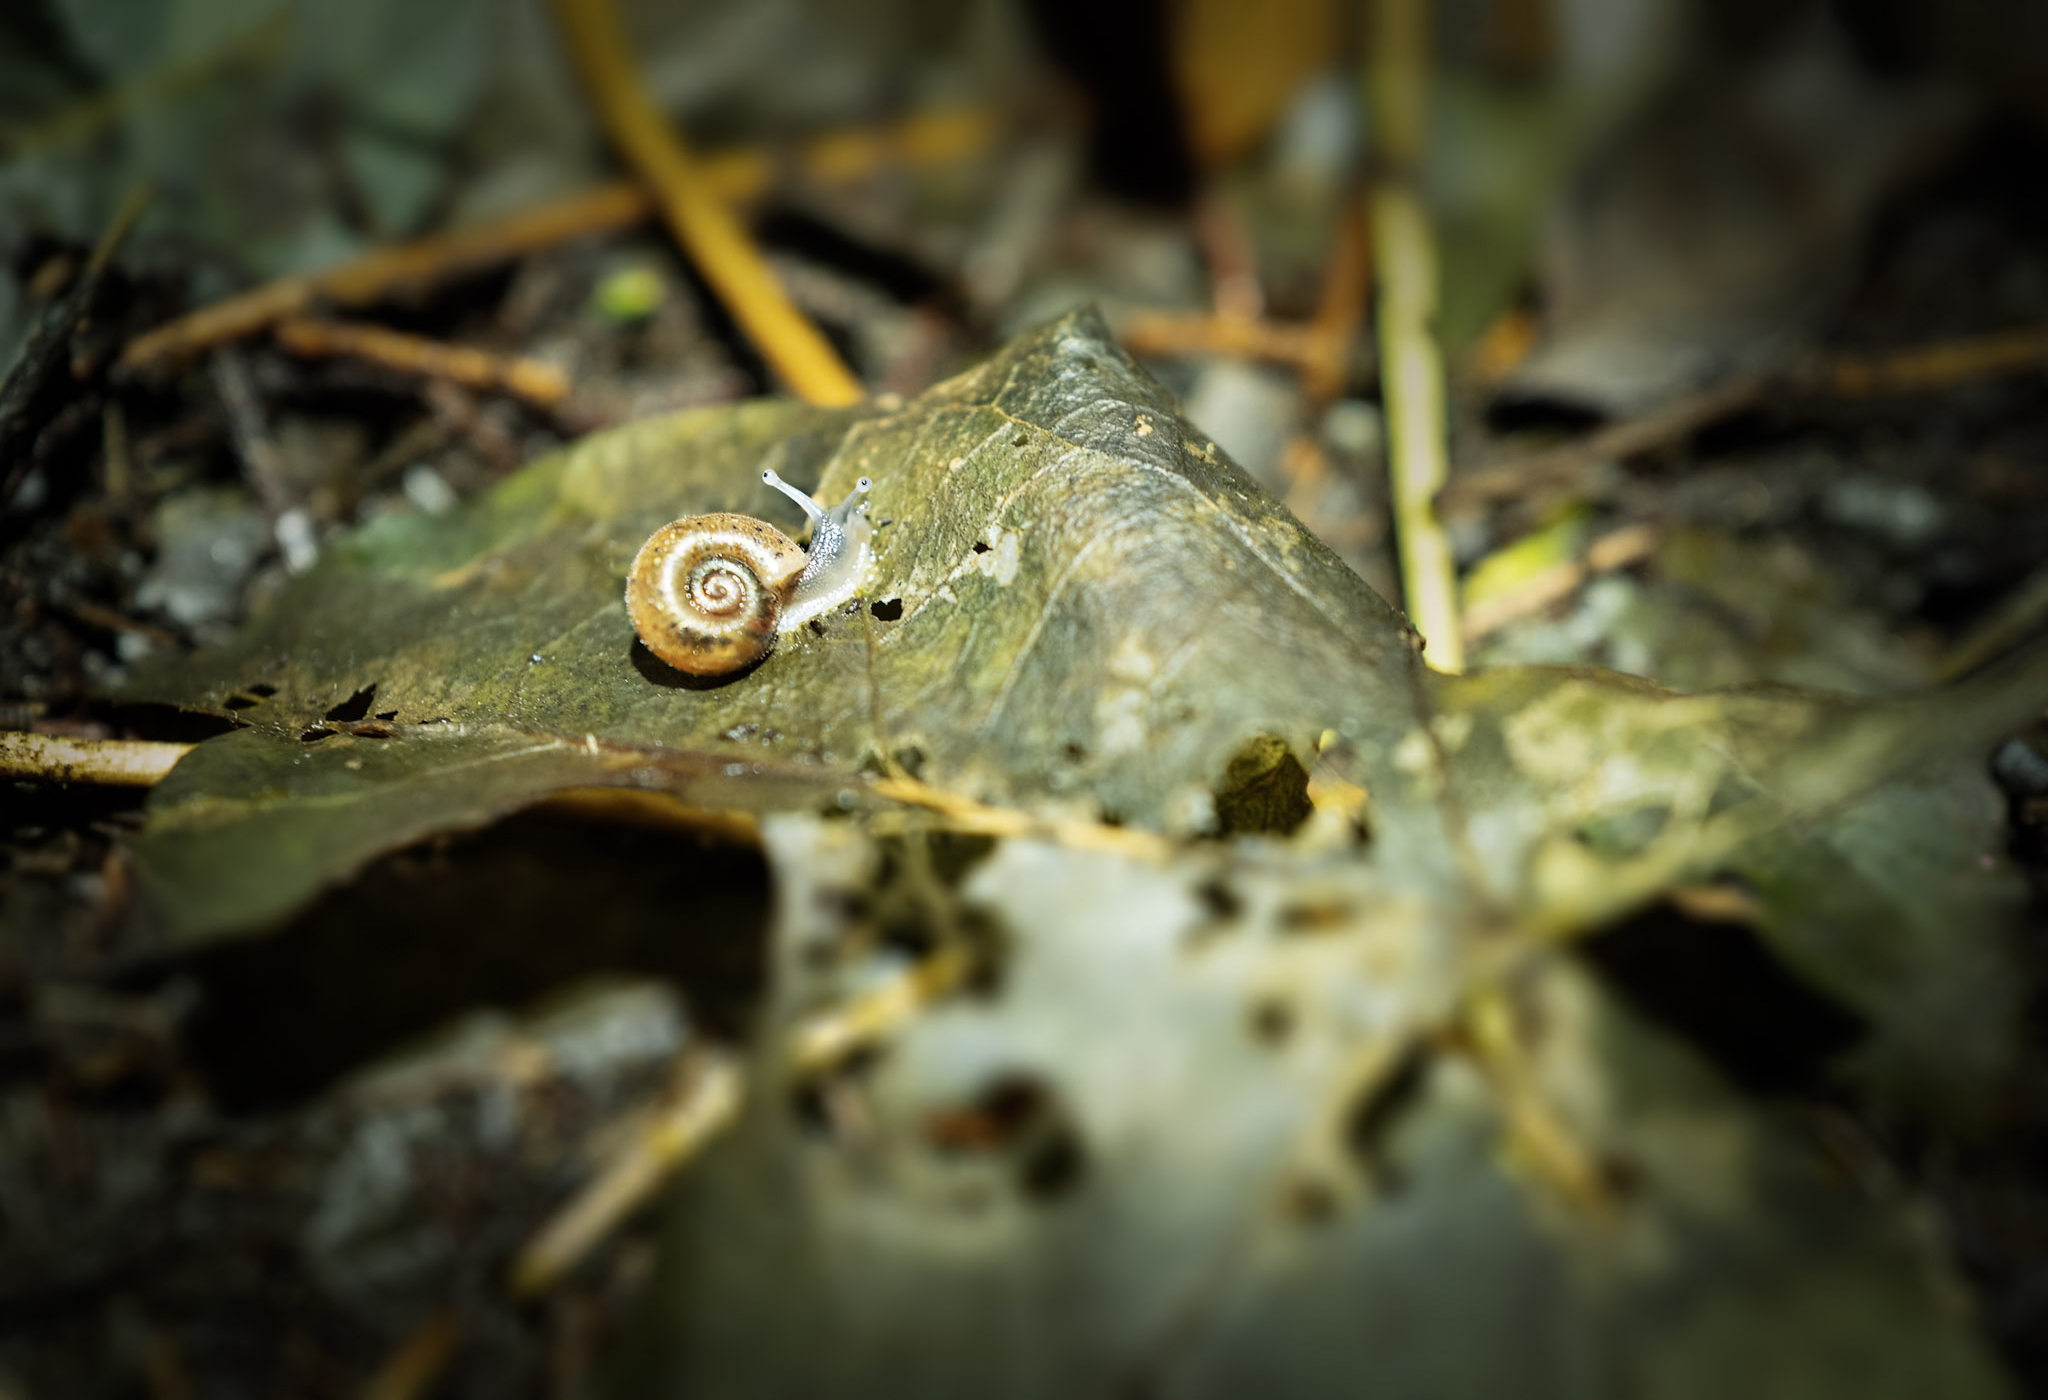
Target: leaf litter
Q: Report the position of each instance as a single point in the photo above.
(1149, 1122)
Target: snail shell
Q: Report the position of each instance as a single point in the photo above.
(709, 594)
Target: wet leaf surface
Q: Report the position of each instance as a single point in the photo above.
(1095, 606)
(1219, 1116)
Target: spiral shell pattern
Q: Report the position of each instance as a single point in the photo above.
(706, 593)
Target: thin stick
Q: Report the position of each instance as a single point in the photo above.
(1347, 287)
(964, 814)
(386, 271)
(824, 1039)
(703, 1099)
(411, 1370)
(1411, 366)
(733, 176)
(533, 380)
(1562, 466)
(709, 233)
(56, 758)
(1914, 369)
(1615, 550)
(1547, 1141)
(1320, 349)
(1933, 366)
(2020, 614)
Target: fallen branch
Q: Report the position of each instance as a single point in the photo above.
(1574, 462)
(2020, 614)
(1915, 369)
(533, 380)
(734, 177)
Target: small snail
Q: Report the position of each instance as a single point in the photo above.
(709, 593)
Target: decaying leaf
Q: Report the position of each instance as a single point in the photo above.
(1157, 1158)
(1087, 603)
(1225, 1118)
(1078, 605)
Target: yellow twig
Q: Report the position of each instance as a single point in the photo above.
(709, 233)
(822, 1040)
(536, 381)
(1920, 368)
(411, 1371)
(1166, 333)
(704, 1098)
(55, 758)
(1544, 1140)
(1617, 549)
(964, 814)
(1411, 366)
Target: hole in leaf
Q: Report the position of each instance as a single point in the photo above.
(955, 853)
(1272, 1020)
(887, 610)
(387, 714)
(260, 690)
(356, 706)
(1371, 1121)
(1719, 986)
(980, 548)
(240, 702)
(1019, 1117)
(1264, 789)
(1219, 899)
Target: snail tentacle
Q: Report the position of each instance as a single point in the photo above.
(841, 550)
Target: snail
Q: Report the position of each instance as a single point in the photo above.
(709, 594)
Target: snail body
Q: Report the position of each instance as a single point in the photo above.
(709, 594)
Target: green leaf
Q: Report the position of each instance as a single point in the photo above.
(1095, 605)
(1087, 608)
(1180, 1163)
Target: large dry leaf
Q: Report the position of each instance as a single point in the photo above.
(1094, 605)
(1079, 606)
(1077, 603)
